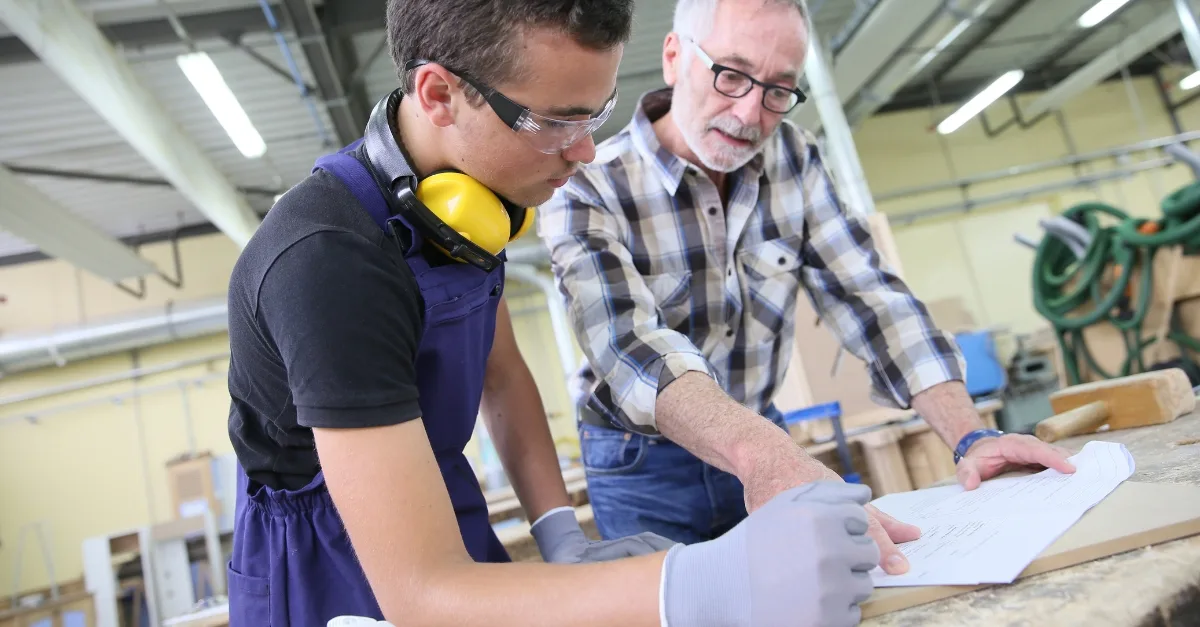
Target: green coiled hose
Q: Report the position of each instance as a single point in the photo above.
(1068, 291)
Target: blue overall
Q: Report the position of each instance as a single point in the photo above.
(297, 535)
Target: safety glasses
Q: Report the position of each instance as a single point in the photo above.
(545, 134)
(736, 83)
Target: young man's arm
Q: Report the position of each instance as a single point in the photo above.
(391, 496)
(516, 421)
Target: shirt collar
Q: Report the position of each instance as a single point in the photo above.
(668, 166)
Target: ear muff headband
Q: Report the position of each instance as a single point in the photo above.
(455, 212)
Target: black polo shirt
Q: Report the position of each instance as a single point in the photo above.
(325, 318)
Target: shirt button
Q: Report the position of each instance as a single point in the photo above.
(712, 211)
(782, 261)
(729, 333)
(730, 273)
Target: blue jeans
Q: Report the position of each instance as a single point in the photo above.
(642, 483)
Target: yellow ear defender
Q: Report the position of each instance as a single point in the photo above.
(474, 211)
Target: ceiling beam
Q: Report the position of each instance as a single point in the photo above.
(73, 47)
(36, 218)
(156, 32)
(101, 177)
(354, 17)
(989, 28)
(918, 96)
(349, 117)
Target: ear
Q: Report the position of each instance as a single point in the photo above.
(433, 89)
(672, 57)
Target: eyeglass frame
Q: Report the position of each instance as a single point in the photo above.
(512, 113)
(717, 68)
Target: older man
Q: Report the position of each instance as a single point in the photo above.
(681, 251)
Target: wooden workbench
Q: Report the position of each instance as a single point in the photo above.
(1156, 586)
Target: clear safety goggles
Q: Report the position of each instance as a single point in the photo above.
(546, 134)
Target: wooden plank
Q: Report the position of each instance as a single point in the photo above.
(1134, 588)
(1135, 515)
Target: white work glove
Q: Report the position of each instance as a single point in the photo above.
(802, 559)
(560, 540)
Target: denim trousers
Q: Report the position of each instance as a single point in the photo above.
(642, 483)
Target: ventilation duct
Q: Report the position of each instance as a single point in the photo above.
(173, 323)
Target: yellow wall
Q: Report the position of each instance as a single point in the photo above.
(973, 255)
(105, 488)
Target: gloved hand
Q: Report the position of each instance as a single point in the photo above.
(560, 539)
(801, 559)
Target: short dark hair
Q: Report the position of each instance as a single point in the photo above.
(482, 37)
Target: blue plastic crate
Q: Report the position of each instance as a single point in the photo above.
(816, 412)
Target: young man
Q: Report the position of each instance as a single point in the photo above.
(368, 329)
(681, 252)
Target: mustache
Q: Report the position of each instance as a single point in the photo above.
(735, 129)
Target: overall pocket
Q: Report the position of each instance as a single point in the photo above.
(249, 599)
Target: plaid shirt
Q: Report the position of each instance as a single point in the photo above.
(661, 278)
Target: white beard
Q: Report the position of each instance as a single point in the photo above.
(719, 158)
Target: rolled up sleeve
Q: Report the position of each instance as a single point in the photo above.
(613, 312)
(869, 308)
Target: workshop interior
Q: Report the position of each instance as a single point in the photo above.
(1029, 168)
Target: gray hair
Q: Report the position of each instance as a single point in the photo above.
(694, 18)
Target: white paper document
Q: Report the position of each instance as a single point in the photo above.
(990, 534)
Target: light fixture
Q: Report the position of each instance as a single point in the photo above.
(990, 94)
(1100, 12)
(208, 82)
(1191, 81)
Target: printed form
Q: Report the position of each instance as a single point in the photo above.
(990, 534)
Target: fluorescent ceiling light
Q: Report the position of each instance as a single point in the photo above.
(208, 82)
(1100, 12)
(1191, 81)
(990, 94)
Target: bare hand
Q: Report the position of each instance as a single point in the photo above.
(885, 530)
(991, 456)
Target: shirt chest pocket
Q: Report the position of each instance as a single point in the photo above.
(672, 297)
(770, 282)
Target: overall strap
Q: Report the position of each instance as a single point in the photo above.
(359, 180)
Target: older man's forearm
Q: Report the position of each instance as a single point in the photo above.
(949, 410)
(695, 413)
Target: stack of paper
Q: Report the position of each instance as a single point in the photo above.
(990, 534)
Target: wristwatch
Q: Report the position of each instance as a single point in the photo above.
(972, 437)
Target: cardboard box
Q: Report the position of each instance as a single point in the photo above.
(190, 482)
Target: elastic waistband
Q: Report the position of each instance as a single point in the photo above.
(311, 497)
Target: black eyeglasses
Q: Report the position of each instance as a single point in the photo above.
(545, 134)
(736, 83)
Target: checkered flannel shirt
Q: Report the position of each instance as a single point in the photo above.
(659, 279)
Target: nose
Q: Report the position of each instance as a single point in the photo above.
(748, 108)
(582, 151)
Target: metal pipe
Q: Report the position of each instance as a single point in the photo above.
(1189, 158)
(35, 416)
(127, 375)
(305, 93)
(1191, 31)
(913, 216)
(1031, 168)
(528, 255)
(559, 321)
(840, 140)
(26, 352)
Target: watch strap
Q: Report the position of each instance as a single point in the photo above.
(971, 438)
